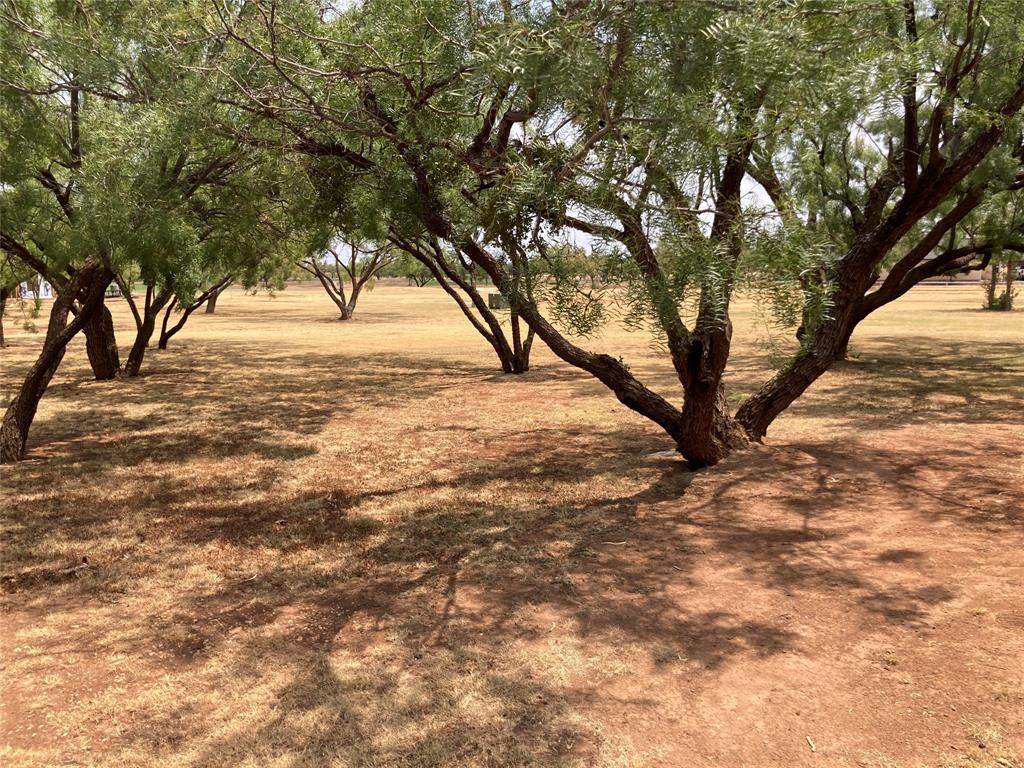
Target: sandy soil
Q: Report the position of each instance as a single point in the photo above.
(298, 542)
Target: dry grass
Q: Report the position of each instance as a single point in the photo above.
(317, 543)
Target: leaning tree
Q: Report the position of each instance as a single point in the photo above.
(872, 131)
(108, 170)
(62, 114)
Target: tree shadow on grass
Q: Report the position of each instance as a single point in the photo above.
(918, 380)
(422, 637)
(426, 647)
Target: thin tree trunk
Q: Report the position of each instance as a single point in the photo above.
(162, 343)
(101, 345)
(353, 298)
(510, 363)
(990, 290)
(211, 303)
(88, 285)
(499, 350)
(1011, 271)
(442, 272)
(522, 363)
(4, 293)
(336, 293)
(166, 333)
(144, 333)
(138, 350)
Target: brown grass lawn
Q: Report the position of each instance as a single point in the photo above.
(309, 543)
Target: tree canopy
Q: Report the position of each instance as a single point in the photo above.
(594, 158)
(799, 149)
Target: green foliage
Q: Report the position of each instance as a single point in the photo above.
(409, 268)
(110, 152)
(224, 138)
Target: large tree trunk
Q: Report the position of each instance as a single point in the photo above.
(87, 285)
(707, 432)
(101, 345)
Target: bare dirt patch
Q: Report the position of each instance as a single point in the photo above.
(359, 545)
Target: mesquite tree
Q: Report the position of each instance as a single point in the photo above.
(186, 307)
(108, 170)
(456, 279)
(412, 269)
(872, 129)
(61, 108)
(351, 261)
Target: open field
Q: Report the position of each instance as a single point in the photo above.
(309, 543)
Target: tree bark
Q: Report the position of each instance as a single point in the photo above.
(162, 343)
(101, 345)
(87, 285)
(1011, 271)
(3, 309)
(353, 298)
(211, 303)
(166, 333)
(707, 432)
(138, 350)
(990, 289)
(144, 332)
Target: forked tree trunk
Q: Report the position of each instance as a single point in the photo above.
(513, 358)
(520, 361)
(162, 342)
(166, 333)
(87, 285)
(350, 306)
(101, 345)
(144, 334)
(145, 324)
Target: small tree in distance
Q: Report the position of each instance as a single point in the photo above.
(357, 263)
(412, 270)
